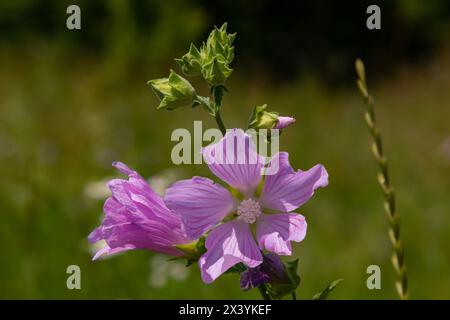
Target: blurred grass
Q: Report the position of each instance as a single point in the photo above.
(64, 120)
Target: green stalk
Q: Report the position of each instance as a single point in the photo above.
(219, 122)
(217, 92)
(398, 255)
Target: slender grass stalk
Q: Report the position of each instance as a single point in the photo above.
(398, 255)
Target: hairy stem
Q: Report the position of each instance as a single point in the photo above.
(398, 255)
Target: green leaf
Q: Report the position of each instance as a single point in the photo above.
(291, 270)
(324, 294)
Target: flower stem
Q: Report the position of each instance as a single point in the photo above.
(263, 290)
(398, 256)
(219, 121)
(294, 295)
(217, 93)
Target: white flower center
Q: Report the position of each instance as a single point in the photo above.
(249, 210)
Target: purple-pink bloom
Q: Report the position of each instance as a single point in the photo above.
(271, 270)
(253, 278)
(137, 218)
(284, 122)
(203, 204)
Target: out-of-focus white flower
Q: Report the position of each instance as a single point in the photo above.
(444, 149)
(162, 180)
(97, 190)
(161, 270)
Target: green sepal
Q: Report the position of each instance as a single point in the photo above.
(206, 103)
(220, 42)
(216, 72)
(191, 62)
(260, 118)
(192, 251)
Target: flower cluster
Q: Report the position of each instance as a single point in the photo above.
(243, 224)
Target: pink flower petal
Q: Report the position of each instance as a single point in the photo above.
(121, 230)
(286, 190)
(234, 160)
(275, 231)
(136, 195)
(227, 245)
(200, 203)
(137, 218)
(284, 122)
(107, 251)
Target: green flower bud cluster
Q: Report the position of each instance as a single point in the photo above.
(212, 61)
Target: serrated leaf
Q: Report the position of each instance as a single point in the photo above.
(324, 294)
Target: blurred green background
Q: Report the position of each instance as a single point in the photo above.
(71, 102)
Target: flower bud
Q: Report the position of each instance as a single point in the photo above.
(173, 92)
(270, 271)
(284, 122)
(216, 72)
(221, 43)
(213, 59)
(281, 279)
(262, 119)
(191, 62)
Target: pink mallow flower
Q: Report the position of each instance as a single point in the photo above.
(137, 218)
(205, 206)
